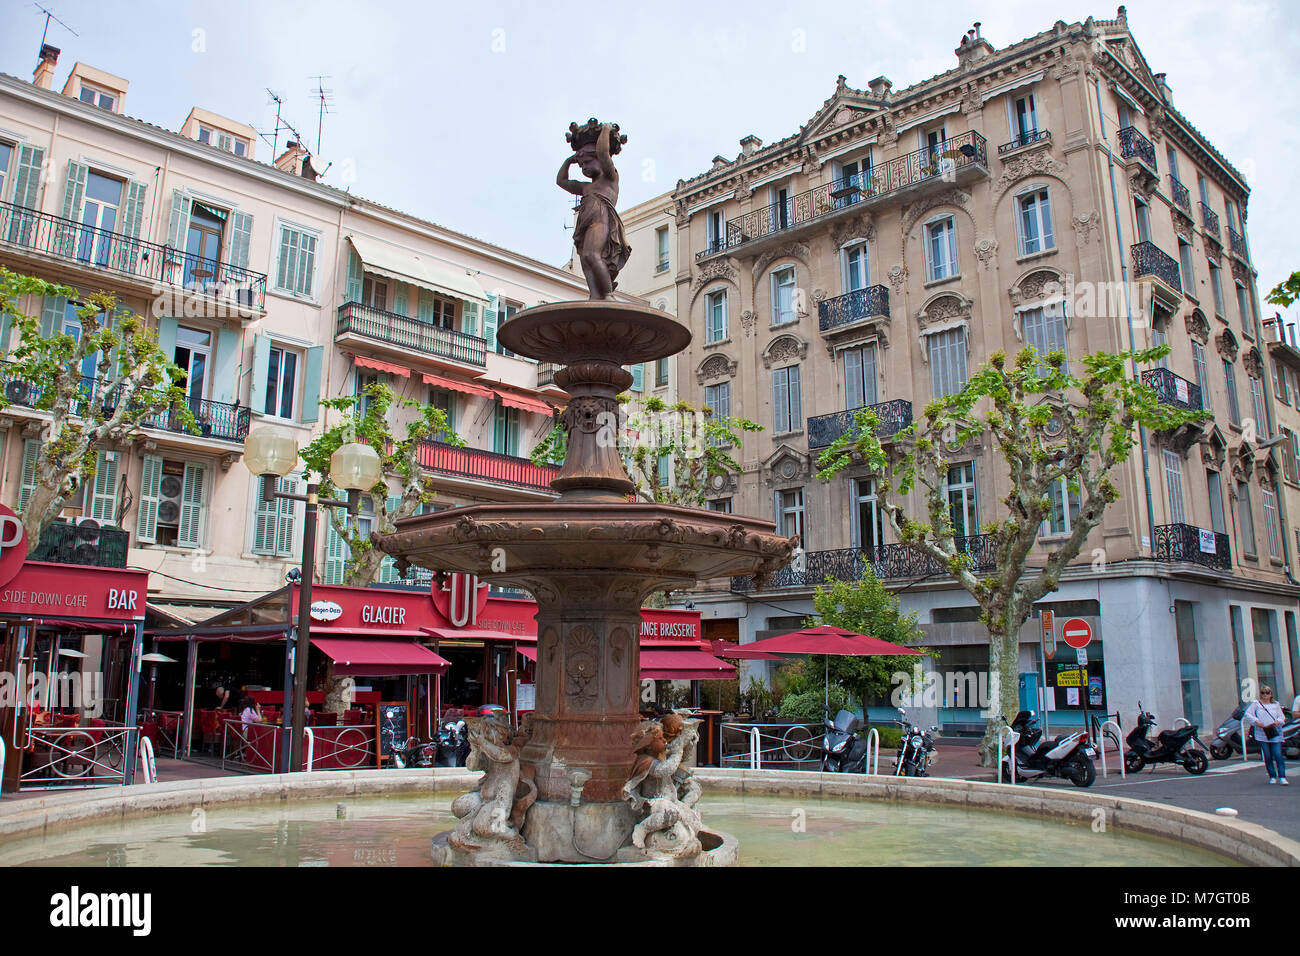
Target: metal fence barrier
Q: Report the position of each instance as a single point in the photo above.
(75, 757)
(257, 747)
(775, 746)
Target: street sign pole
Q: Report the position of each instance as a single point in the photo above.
(1047, 649)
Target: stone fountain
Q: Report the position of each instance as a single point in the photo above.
(588, 781)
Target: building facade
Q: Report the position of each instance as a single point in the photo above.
(1046, 193)
(271, 291)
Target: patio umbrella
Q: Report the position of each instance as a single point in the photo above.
(830, 642)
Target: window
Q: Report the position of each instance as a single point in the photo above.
(790, 515)
(780, 209)
(1270, 520)
(947, 351)
(222, 140)
(1216, 286)
(1189, 659)
(1174, 486)
(1257, 406)
(1243, 308)
(715, 316)
(783, 296)
(721, 505)
(868, 516)
(1234, 405)
(715, 230)
(853, 182)
(100, 206)
(1035, 223)
(1185, 267)
(1216, 502)
(172, 502)
(859, 377)
(438, 310)
(855, 267)
(374, 293)
(6, 157)
(505, 430)
(446, 401)
(1024, 117)
(933, 141)
(281, 374)
(1172, 157)
(960, 488)
(273, 522)
(203, 245)
(1202, 374)
(1064, 509)
(718, 399)
(1204, 190)
(1264, 624)
(97, 97)
(505, 309)
(296, 268)
(361, 382)
(1280, 383)
(1158, 338)
(1045, 329)
(337, 552)
(1142, 212)
(664, 469)
(787, 411)
(1245, 519)
(941, 249)
(661, 372)
(661, 246)
(192, 355)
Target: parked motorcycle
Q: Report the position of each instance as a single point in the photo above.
(1068, 756)
(1227, 736)
(414, 754)
(916, 751)
(844, 747)
(453, 743)
(1170, 746)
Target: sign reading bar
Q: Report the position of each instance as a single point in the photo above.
(62, 590)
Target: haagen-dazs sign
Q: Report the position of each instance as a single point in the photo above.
(13, 545)
(325, 611)
(461, 599)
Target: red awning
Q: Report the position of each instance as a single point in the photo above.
(524, 402)
(477, 634)
(529, 651)
(379, 366)
(456, 385)
(380, 658)
(684, 662)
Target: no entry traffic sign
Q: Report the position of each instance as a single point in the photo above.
(1077, 632)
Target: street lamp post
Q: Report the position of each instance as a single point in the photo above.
(271, 453)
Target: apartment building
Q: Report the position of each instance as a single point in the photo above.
(1048, 192)
(271, 291)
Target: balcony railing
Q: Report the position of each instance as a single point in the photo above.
(1033, 136)
(1210, 220)
(1150, 260)
(411, 333)
(1181, 195)
(1133, 145)
(1185, 542)
(546, 373)
(86, 543)
(128, 256)
(889, 561)
(486, 466)
(894, 417)
(1173, 389)
(966, 150)
(853, 307)
(1236, 242)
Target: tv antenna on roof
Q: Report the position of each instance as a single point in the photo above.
(48, 17)
(326, 97)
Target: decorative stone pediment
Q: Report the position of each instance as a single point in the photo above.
(1241, 272)
(1197, 327)
(1182, 224)
(716, 366)
(1253, 363)
(1085, 225)
(855, 227)
(722, 484)
(1242, 461)
(1036, 285)
(943, 310)
(949, 197)
(784, 349)
(985, 250)
(786, 466)
(1214, 448)
(1228, 346)
(791, 250)
(712, 271)
(1036, 161)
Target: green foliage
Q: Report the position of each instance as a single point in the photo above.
(809, 706)
(1286, 292)
(758, 699)
(890, 737)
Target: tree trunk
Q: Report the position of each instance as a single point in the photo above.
(363, 571)
(42, 508)
(1004, 690)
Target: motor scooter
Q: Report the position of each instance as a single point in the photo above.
(1227, 736)
(1068, 756)
(844, 746)
(1170, 746)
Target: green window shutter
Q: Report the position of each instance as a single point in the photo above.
(512, 431)
(146, 525)
(490, 322)
(31, 456)
(426, 306)
(261, 362)
(638, 377)
(499, 428)
(27, 191)
(192, 493)
(288, 261)
(167, 336)
(311, 384)
(388, 567)
(469, 318)
(336, 555)
(356, 278)
(401, 299)
(178, 226)
(103, 499)
(283, 542)
(74, 191)
(52, 315)
(241, 233)
(306, 264)
(133, 214)
(224, 365)
(264, 520)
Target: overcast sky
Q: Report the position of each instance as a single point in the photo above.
(456, 112)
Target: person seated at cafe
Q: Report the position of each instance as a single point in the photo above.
(252, 713)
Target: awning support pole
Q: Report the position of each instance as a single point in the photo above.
(133, 701)
(191, 677)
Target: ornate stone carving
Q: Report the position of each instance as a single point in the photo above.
(1252, 362)
(791, 250)
(949, 197)
(1033, 162)
(748, 319)
(1182, 225)
(1085, 225)
(897, 276)
(971, 101)
(717, 365)
(1142, 185)
(985, 250)
(1241, 272)
(860, 226)
(583, 413)
(1227, 343)
(785, 466)
(492, 814)
(784, 349)
(1197, 327)
(663, 789)
(581, 665)
(1042, 283)
(712, 270)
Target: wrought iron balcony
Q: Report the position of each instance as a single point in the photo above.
(87, 543)
(853, 307)
(1173, 389)
(131, 257)
(889, 561)
(1236, 243)
(1133, 145)
(894, 417)
(1181, 195)
(1210, 220)
(220, 420)
(546, 373)
(1185, 542)
(488, 466)
(1033, 136)
(964, 151)
(411, 333)
(1150, 260)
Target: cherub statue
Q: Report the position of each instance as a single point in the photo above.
(598, 235)
(665, 789)
(492, 813)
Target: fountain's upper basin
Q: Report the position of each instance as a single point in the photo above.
(624, 333)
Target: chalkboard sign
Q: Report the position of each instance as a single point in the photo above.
(392, 727)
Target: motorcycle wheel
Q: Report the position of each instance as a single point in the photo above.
(1195, 762)
(1220, 751)
(1082, 773)
(1006, 771)
(1134, 762)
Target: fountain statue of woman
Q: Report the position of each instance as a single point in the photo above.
(598, 235)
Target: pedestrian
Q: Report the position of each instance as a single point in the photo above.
(1265, 715)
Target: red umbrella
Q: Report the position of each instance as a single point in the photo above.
(741, 652)
(832, 642)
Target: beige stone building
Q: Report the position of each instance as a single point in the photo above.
(1046, 192)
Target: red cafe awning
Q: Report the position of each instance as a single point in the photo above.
(380, 658)
(524, 403)
(379, 366)
(477, 634)
(528, 650)
(661, 662)
(456, 385)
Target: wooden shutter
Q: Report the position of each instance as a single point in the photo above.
(178, 226)
(265, 515)
(311, 384)
(261, 364)
(288, 514)
(241, 234)
(853, 397)
(167, 336)
(336, 555)
(52, 311)
(192, 507)
(103, 499)
(469, 317)
(27, 180)
(402, 298)
(426, 309)
(133, 214)
(74, 191)
(638, 377)
(490, 321)
(356, 278)
(224, 366)
(31, 456)
(306, 264)
(388, 567)
(796, 399)
(146, 525)
(780, 400)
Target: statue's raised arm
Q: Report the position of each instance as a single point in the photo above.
(598, 234)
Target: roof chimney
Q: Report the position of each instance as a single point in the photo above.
(973, 47)
(750, 144)
(290, 161)
(1165, 91)
(881, 86)
(43, 75)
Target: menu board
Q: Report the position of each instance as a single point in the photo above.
(392, 727)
